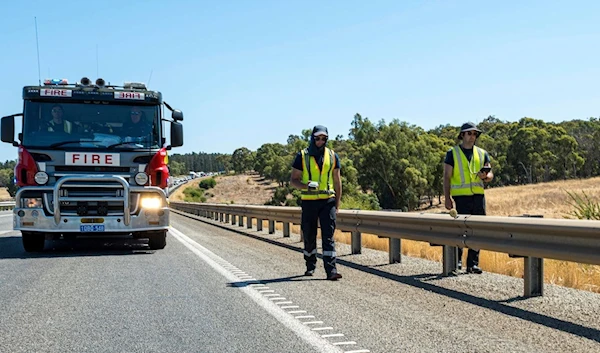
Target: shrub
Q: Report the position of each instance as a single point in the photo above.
(207, 183)
(584, 207)
(361, 202)
(193, 195)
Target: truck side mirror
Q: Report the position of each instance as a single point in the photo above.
(176, 134)
(177, 115)
(8, 129)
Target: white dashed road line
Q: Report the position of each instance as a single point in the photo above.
(273, 303)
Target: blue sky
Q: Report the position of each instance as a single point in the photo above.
(249, 72)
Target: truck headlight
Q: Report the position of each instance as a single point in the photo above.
(151, 203)
(32, 202)
(41, 178)
(141, 178)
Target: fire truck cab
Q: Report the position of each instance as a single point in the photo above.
(92, 161)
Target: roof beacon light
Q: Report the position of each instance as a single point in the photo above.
(55, 81)
(85, 81)
(100, 82)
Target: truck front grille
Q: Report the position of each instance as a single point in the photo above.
(94, 197)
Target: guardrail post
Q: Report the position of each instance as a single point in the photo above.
(395, 256)
(534, 276)
(259, 224)
(271, 226)
(450, 259)
(356, 242)
(241, 220)
(249, 220)
(533, 267)
(226, 217)
(286, 229)
(233, 219)
(221, 217)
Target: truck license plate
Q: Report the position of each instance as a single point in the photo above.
(91, 228)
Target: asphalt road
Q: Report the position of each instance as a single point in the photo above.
(216, 290)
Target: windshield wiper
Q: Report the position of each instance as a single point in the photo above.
(57, 144)
(127, 143)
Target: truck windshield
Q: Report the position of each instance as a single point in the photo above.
(93, 125)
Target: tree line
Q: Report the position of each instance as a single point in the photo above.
(182, 164)
(397, 165)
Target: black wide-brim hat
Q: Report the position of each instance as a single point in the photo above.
(468, 127)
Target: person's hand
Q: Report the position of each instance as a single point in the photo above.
(482, 175)
(448, 203)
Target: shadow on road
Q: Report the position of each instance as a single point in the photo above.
(11, 247)
(298, 278)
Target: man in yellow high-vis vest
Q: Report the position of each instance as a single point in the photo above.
(466, 168)
(58, 124)
(316, 172)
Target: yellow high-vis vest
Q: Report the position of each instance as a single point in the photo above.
(324, 176)
(464, 180)
(67, 126)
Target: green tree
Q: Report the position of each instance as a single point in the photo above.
(7, 180)
(177, 168)
(242, 160)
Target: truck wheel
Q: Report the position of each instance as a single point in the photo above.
(33, 241)
(157, 240)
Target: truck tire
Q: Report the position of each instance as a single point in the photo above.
(157, 240)
(33, 241)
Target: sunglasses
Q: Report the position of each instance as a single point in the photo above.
(136, 113)
(320, 138)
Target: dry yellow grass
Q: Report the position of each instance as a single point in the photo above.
(4, 195)
(547, 199)
(243, 189)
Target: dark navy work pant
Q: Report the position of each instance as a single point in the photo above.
(470, 205)
(323, 211)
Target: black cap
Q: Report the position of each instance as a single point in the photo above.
(468, 127)
(319, 130)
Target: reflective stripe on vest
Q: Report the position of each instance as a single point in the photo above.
(66, 125)
(464, 180)
(324, 176)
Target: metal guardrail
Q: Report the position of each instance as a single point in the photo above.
(534, 239)
(7, 205)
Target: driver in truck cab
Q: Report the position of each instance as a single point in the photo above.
(136, 125)
(57, 123)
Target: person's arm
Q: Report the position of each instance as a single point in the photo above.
(448, 170)
(337, 186)
(296, 180)
(487, 177)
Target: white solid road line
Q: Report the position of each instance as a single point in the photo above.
(303, 332)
